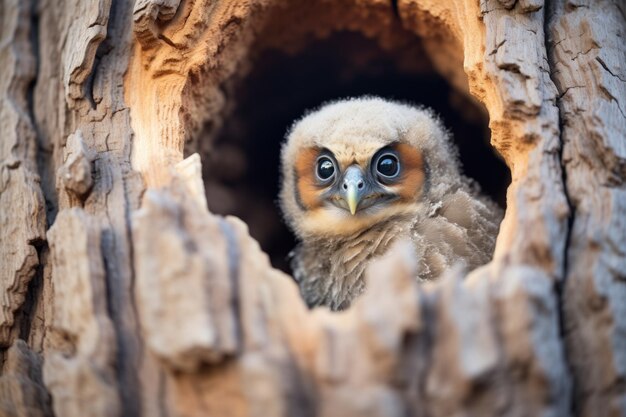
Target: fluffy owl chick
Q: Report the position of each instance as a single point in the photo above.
(360, 173)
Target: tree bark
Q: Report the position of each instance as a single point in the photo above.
(123, 295)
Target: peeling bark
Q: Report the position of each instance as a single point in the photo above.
(140, 301)
(22, 217)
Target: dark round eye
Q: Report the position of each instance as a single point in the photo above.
(388, 165)
(325, 168)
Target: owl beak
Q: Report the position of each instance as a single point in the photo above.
(352, 187)
(352, 198)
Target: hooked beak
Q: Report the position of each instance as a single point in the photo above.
(352, 188)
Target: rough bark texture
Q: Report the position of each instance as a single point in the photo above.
(122, 295)
(588, 53)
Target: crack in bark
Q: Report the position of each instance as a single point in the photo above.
(233, 253)
(167, 41)
(559, 285)
(560, 96)
(611, 97)
(578, 54)
(603, 64)
(497, 48)
(24, 317)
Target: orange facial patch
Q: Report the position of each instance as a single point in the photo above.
(412, 161)
(306, 185)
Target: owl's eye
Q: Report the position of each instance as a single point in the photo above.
(325, 168)
(388, 165)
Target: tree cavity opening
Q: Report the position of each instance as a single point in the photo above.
(241, 155)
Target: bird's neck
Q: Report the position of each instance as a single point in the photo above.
(334, 266)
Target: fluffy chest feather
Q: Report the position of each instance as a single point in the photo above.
(330, 271)
(459, 229)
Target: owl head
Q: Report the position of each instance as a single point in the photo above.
(354, 163)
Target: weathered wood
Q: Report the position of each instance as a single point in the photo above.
(142, 302)
(21, 388)
(588, 55)
(22, 217)
(80, 359)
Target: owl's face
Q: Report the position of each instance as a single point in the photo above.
(356, 163)
(350, 184)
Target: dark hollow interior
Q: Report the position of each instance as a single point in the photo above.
(242, 163)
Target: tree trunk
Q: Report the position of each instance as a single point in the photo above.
(123, 295)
